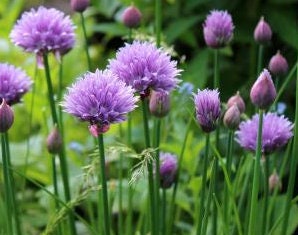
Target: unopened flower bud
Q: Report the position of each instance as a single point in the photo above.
(168, 169)
(159, 104)
(262, 33)
(54, 141)
(131, 17)
(263, 93)
(274, 182)
(237, 99)
(278, 65)
(79, 5)
(6, 116)
(232, 117)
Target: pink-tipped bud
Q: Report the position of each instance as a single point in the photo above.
(79, 5)
(263, 93)
(274, 182)
(6, 116)
(278, 65)
(96, 129)
(159, 104)
(54, 141)
(237, 99)
(232, 117)
(131, 17)
(262, 33)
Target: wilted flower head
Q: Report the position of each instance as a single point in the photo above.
(274, 181)
(101, 99)
(276, 132)
(79, 5)
(207, 106)
(144, 67)
(44, 30)
(262, 33)
(263, 93)
(168, 169)
(218, 29)
(236, 99)
(278, 65)
(131, 17)
(14, 83)
(6, 116)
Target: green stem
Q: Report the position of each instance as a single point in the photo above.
(86, 40)
(120, 180)
(256, 178)
(130, 189)
(157, 173)
(285, 84)
(164, 209)
(7, 186)
(209, 196)
(56, 189)
(13, 189)
(104, 192)
(293, 166)
(63, 163)
(173, 199)
(216, 70)
(216, 85)
(130, 35)
(266, 196)
(158, 20)
(229, 164)
(260, 59)
(149, 167)
(204, 180)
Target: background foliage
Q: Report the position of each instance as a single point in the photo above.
(182, 29)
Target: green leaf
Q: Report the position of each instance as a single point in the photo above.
(113, 29)
(180, 26)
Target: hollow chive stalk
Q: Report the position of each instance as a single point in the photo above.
(216, 84)
(204, 180)
(149, 168)
(228, 166)
(86, 41)
(103, 194)
(7, 186)
(256, 178)
(293, 167)
(61, 154)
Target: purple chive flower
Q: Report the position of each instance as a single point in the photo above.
(14, 83)
(262, 33)
(131, 17)
(44, 30)
(263, 93)
(100, 98)
(278, 65)
(277, 130)
(144, 67)
(218, 29)
(168, 169)
(207, 104)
